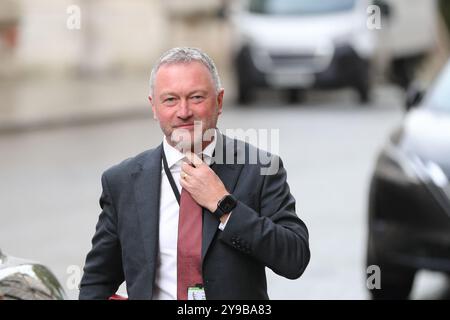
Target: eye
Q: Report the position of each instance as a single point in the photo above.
(198, 98)
(169, 101)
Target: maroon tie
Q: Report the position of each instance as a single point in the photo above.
(189, 252)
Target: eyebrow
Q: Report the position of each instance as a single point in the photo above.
(198, 91)
(170, 93)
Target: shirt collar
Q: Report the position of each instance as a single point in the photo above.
(209, 150)
(173, 156)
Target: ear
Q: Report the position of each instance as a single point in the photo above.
(153, 107)
(220, 100)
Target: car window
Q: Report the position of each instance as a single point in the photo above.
(296, 7)
(439, 96)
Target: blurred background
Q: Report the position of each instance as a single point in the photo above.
(336, 78)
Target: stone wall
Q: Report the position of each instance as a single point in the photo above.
(114, 35)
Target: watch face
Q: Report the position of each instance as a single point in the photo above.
(227, 204)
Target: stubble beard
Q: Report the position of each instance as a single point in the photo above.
(195, 140)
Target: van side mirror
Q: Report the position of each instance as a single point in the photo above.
(414, 95)
(385, 8)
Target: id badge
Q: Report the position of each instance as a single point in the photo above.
(196, 293)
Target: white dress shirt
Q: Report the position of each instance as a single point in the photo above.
(165, 286)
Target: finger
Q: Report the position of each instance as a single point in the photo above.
(187, 168)
(197, 160)
(187, 178)
(189, 158)
(194, 159)
(184, 182)
(183, 175)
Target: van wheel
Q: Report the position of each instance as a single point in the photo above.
(363, 87)
(363, 92)
(362, 83)
(244, 71)
(245, 94)
(403, 70)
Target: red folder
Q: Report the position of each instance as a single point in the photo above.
(117, 297)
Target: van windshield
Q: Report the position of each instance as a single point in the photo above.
(299, 7)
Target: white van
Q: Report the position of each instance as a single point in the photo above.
(300, 44)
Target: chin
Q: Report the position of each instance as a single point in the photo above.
(182, 140)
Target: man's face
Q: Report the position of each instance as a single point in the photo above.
(184, 93)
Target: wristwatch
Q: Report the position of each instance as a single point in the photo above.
(225, 205)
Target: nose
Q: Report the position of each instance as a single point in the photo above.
(184, 111)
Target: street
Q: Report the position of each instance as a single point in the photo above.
(50, 185)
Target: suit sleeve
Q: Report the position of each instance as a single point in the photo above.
(275, 235)
(103, 273)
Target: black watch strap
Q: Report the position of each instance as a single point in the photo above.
(225, 205)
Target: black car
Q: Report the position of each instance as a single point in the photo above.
(409, 200)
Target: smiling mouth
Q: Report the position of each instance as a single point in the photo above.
(187, 125)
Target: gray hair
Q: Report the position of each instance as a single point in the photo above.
(186, 55)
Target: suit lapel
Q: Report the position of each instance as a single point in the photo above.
(147, 193)
(229, 174)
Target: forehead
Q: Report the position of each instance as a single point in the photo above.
(183, 75)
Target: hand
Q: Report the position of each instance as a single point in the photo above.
(202, 183)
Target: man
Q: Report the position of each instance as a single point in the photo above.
(186, 220)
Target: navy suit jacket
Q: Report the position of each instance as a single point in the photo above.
(263, 230)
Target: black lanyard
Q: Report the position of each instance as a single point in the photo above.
(170, 177)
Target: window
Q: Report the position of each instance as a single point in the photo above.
(300, 7)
